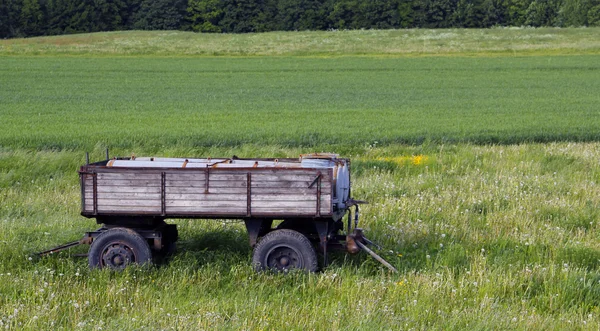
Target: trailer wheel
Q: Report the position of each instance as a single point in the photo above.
(283, 250)
(118, 248)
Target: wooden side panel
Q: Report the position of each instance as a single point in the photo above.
(290, 192)
(206, 192)
(266, 192)
(128, 192)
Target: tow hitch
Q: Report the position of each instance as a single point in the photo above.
(356, 240)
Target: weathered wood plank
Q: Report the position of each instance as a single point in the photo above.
(243, 197)
(200, 190)
(129, 182)
(213, 204)
(124, 189)
(198, 183)
(285, 177)
(212, 176)
(141, 210)
(243, 190)
(124, 196)
(290, 204)
(206, 197)
(287, 184)
(127, 176)
(202, 209)
(239, 211)
(285, 211)
(125, 202)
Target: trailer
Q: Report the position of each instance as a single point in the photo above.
(132, 197)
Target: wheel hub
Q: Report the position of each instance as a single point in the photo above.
(117, 256)
(283, 258)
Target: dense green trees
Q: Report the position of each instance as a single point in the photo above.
(21, 18)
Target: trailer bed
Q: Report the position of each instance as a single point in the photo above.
(221, 188)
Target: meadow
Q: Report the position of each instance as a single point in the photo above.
(480, 167)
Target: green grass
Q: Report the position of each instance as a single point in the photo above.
(480, 165)
(56, 103)
(485, 237)
(500, 41)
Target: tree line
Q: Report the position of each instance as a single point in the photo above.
(24, 18)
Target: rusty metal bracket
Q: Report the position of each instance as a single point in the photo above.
(163, 193)
(323, 231)
(206, 176)
(376, 257)
(315, 180)
(95, 192)
(357, 240)
(60, 248)
(351, 202)
(257, 227)
(249, 195)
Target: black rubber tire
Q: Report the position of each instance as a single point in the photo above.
(121, 243)
(280, 247)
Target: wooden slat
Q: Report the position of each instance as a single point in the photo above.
(285, 191)
(206, 197)
(284, 177)
(123, 202)
(200, 183)
(287, 184)
(289, 197)
(214, 204)
(284, 211)
(243, 197)
(202, 209)
(124, 189)
(130, 182)
(127, 176)
(212, 190)
(235, 189)
(141, 210)
(241, 211)
(124, 196)
(290, 204)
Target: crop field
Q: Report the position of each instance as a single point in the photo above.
(477, 150)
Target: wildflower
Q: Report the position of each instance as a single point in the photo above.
(417, 159)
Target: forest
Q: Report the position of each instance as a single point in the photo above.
(26, 18)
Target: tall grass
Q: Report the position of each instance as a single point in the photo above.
(414, 42)
(485, 237)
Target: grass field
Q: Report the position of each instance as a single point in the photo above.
(480, 165)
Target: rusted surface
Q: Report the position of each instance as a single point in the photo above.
(249, 195)
(206, 179)
(59, 248)
(351, 246)
(376, 257)
(95, 190)
(162, 193)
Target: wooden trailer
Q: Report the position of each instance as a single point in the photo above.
(132, 197)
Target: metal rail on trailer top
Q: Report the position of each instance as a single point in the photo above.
(132, 197)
